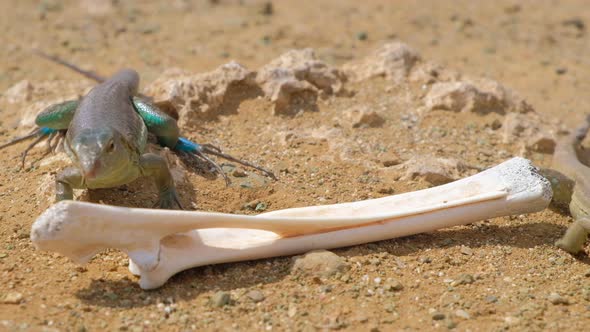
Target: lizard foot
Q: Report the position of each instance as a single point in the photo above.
(40, 134)
(202, 151)
(574, 238)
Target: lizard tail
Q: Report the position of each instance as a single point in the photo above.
(87, 73)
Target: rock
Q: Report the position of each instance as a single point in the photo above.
(542, 142)
(511, 320)
(431, 169)
(451, 324)
(296, 77)
(436, 315)
(491, 299)
(12, 298)
(530, 131)
(363, 118)
(462, 314)
(319, 263)
(220, 299)
(393, 285)
(239, 173)
(463, 279)
(267, 8)
(97, 8)
(202, 96)
(556, 299)
(392, 61)
(256, 296)
(430, 72)
(466, 251)
(482, 96)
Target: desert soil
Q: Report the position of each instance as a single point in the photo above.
(498, 274)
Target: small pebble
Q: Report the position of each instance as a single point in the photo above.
(267, 9)
(12, 298)
(425, 260)
(238, 173)
(362, 35)
(463, 279)
(437, 315)
(220, 299)
(491, 299)
(556, 299)
(256, 296)
(326, 288)
(466, 251)
(393, 285)
(260, 206)
(451, 324)
(462, 314)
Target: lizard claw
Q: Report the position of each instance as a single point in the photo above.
(40, 134)
(202, 152)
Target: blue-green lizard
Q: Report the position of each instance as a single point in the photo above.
(106, 134)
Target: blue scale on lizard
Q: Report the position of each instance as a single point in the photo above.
(184, 145)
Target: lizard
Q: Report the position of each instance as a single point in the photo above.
(570, 179)
(105, 134)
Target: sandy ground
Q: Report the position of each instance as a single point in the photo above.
(537, 48)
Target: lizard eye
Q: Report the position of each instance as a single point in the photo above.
(111, 147)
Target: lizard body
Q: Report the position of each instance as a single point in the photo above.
(106, 136)
(571, 182)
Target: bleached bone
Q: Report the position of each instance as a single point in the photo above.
(161, 243)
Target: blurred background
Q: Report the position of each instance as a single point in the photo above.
(539, 48)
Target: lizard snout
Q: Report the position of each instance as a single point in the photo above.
(90, 168)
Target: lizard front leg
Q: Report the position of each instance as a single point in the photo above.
(66, 180)
(574, 238)
(153, 165)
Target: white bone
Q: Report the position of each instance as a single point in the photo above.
(161, 243)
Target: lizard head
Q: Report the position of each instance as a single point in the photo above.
(99, 153)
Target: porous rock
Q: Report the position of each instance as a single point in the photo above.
(431, 169)
(430, 72)
(200, 96)
(319, 263)
(393, 61)
(296, 78)
(31, 99)
(530, 131)
(18, 93)
(25, 91)
(480, 96)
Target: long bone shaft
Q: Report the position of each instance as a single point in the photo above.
(162, 243)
